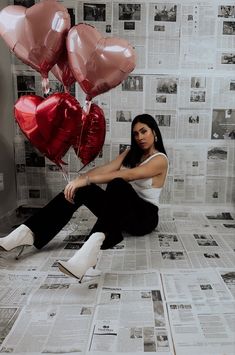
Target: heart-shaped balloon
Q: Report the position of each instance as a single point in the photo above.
(92, 135)
(98, 64)
(37, 34)
(62, 71)
(60, 111)
(52, 125)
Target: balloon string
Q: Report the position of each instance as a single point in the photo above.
(45, 86)
(65, 173)
(86, 108)
(85, 112)
(79, 140)
(82, 167)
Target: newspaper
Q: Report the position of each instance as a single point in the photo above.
(205, 327)
(163, 36)
(165, 241)
(129, 23)
(132, 311)
(57, 288)
(8, 316)
(123, 260)
(211, 259)
(128, 303)
(183, 78)
(50, 329)
(198, 285)
(169, 259)
(207, 242)
(198, 34)
(15, 287)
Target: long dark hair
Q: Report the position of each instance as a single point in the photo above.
(134, 155)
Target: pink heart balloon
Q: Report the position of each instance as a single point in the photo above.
(98, 64)
(36, 35)
(62, 71)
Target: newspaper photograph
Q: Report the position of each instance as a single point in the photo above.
(228, 277)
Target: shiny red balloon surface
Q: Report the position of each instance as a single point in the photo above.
(52, 125)
(92, 135)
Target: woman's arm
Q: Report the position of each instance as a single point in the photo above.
(156, 166)
(114, 165)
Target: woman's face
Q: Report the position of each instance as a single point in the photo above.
(143, 136)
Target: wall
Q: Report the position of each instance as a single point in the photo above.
(7, 165)
(184, 77)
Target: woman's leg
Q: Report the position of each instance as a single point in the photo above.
(50, 219)
(120, 209)
(111, 238)
(124, 210)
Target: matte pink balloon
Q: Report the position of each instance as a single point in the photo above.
(98, 64)
(36, 35)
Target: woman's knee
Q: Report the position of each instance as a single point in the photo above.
(81, 193)
(116, 183)
(120, 190)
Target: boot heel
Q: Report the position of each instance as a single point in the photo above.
(62, 267)
(84, 258)
(21, 236)
(94, 266)
(20, 253)
(80, 281)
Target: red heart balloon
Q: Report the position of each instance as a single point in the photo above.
(59, 111)
(37, 34)
(52, 125)
(98, 64)
(92, 135)
(62, 71)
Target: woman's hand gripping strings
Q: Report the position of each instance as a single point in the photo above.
(70, 189)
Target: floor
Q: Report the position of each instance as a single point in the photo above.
(169, 292)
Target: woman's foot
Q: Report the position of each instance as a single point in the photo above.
(84, 258)
(21, 236)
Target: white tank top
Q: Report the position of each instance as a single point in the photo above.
(144, 187)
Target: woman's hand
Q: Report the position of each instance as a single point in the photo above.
(73, 185)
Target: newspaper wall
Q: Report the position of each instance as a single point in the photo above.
(184, 77)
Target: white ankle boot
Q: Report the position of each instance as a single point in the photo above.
(84, 258)
(21, 236)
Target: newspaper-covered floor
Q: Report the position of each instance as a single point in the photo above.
(169, 292)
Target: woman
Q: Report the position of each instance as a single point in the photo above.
(129, 203)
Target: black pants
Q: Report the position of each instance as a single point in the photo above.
(118, 209)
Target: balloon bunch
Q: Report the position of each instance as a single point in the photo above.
(41, 37)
